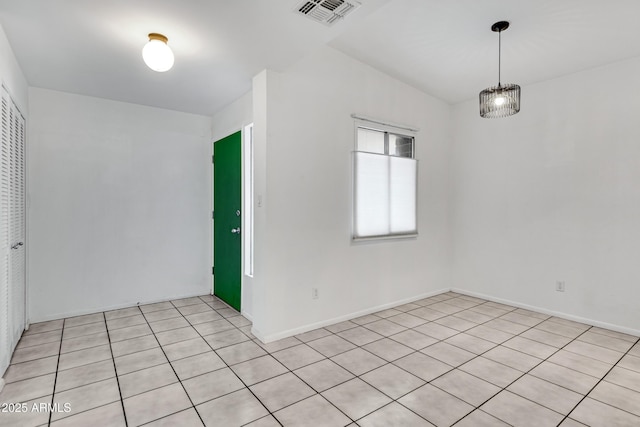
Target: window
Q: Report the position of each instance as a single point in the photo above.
(381, 142)
(385, 183)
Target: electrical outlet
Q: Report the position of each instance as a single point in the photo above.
(314, 293)
(560, 286)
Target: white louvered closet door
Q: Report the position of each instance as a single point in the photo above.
(12, 229)
(5, 344)
(17, 226)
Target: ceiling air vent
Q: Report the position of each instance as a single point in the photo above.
(327, 12)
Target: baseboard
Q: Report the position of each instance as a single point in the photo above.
(247, 316)
(592, 322)
(312, 326)
(256, 333)
(112, 307)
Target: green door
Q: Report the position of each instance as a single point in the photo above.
(227, 178)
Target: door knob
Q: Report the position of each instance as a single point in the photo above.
(17, 245)
(235, 230)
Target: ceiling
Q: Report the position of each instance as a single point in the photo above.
(443, 47)
(447, 48)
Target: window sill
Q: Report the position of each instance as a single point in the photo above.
(410, 236)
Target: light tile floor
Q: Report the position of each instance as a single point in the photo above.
(445, 360)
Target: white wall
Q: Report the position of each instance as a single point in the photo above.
(11, 75)
(260, 280)
(119, 207)
(233, 118)
(552, 194)
(304, 137)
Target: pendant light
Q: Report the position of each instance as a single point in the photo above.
(157, 54)
(502, 100)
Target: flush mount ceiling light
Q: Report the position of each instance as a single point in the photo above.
(157, 54)
(501, 100)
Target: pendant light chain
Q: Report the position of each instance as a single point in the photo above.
(499, 54)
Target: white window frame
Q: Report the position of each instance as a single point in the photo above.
(390, 128)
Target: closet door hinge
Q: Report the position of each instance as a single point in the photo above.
(213, 270)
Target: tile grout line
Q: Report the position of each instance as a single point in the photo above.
(226, 364)
(457, 367)
(306, 343)
(391, 363)
(384, 364)
(309, 385)
(55, 380)
(434, 321)
(453, 367)
(56, 371)
(383, 337)
(547, 360)
(390, 337)
(115, 369)
(502, 389)
(174, 372)
(601, 346)
(525, 373)
(477, 355)
(440, 341)
(236, 327)
(355, 376)
(599, 381)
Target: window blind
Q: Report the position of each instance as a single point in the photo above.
(384, 195)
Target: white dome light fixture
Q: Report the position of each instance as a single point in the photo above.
(157, 54)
